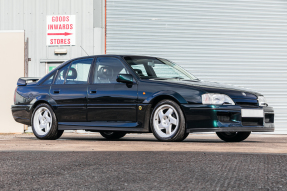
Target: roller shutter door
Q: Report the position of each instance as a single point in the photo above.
(237, 42)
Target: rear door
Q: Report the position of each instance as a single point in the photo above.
(70, 91)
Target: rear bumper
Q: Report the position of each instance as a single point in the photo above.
(226, 118)
(22, 113)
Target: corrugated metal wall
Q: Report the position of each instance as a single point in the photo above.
(30, 15)
(239, 42)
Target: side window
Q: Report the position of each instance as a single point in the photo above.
(165, 71)
(139, 69)
(48, 81)
(61, 75)
(79, 71)
(107, 70)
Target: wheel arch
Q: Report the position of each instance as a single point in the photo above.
(42, 99)
(161, 95)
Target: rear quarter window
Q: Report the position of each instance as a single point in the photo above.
(49, 81)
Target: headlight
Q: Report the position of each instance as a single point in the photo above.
(262, 101)
(217, 99)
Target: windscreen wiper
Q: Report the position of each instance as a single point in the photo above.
(179, 78)
(195, 80)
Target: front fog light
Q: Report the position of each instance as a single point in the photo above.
(217, 99)
(262, 101)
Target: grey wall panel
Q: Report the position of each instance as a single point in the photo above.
(30, 30)
(40, 53)
(77, 9)
(30, 15)
(237, 42)
(88, 27)
(52, 9)
(18, 20)
(97, 9)
(65, 8)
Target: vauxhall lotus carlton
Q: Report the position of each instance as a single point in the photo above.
(119, 94)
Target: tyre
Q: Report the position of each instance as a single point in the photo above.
(233, 136)
(112, 135)
(59, 134)
(44, 123)
(185, 136)
(167, 121)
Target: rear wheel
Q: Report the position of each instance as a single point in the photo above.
(168, 122)
(44, 123)
(233, 136)
(112, 135)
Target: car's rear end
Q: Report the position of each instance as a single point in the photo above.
(21, 110)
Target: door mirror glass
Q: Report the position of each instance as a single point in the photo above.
(125, 78)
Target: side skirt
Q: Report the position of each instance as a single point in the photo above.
(98, 129)
(142, 126)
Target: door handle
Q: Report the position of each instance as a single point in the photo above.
(56, 91)
(93, 91)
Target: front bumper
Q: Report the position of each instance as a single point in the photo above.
(225, 118)
(22, 113)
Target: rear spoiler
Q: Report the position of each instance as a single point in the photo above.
(24, 81)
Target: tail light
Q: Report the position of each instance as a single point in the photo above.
(15, 95)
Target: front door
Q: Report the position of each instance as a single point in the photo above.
(70, 91)
(109, 100)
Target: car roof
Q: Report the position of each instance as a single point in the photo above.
(116, 55)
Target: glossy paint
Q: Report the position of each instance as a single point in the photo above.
(71, 102)
(112, 102)
(127, 106)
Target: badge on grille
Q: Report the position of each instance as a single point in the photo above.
(243, 93)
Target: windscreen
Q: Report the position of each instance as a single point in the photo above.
(156, 68)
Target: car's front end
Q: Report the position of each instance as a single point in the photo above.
(207, 106)
(229, 111)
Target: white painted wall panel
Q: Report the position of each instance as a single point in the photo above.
(12, 43)
(239, 42)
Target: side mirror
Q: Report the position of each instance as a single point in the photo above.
(125, 78)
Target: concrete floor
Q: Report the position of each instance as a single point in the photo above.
(140, 162)
(255, 143)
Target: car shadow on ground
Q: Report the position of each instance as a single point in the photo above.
(141, 139)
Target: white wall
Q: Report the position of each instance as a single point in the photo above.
(12, 67)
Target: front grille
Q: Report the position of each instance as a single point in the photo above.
(247, 104)
(228, 117)
(252, 121)
(269, 118)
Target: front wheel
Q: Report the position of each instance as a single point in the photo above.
(112, 135)
(233, 136)
(44, 123)
(168, 122)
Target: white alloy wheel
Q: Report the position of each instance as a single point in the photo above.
(42, 121)
(166, 121)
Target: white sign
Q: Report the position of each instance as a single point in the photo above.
(61, 30)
